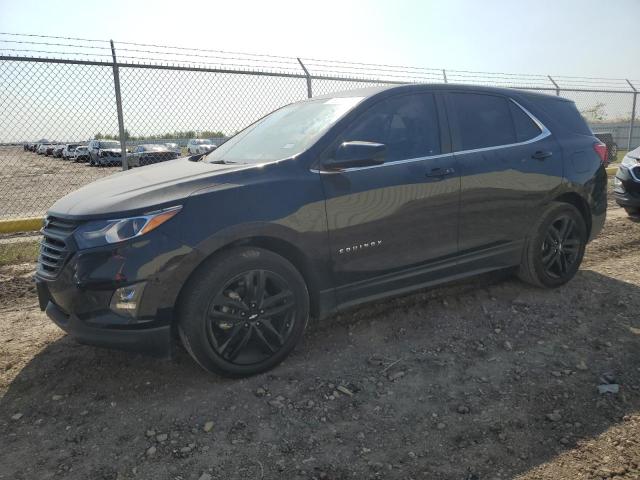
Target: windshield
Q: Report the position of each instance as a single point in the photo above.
(283, 133)
(202, 142)
(109, 145)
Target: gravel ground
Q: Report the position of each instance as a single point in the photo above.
(31, 183)
(485, 379)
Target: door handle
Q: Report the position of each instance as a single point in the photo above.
(541, 155)
(440, 172)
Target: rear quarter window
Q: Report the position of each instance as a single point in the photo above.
(565, 113)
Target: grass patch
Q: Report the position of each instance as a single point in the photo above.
(18, 252)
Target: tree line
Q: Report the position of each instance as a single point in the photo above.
(178, 134)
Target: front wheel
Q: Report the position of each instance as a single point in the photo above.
(554, 250)
(243, 312)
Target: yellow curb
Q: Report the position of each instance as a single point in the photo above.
(20, 225)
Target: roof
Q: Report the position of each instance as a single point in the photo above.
(371, 91)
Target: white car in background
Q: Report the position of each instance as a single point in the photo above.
(197, 146)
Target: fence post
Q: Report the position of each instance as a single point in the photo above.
(555, 85)
(116, 84)
(306, 73)
(444, 76)
(633, 114)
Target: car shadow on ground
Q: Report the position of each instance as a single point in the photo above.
(487, 378)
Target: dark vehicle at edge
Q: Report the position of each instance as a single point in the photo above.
(612, 146)
(321, 205)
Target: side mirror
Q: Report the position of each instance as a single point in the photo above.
(357, 154)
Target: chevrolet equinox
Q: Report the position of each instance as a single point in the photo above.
(318, 206)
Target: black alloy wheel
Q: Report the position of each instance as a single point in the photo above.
(243, 311)
(561, 247)
(555, 246)
(251, 318)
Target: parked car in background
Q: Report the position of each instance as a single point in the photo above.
(626, 183)
(174, 147)
(152, 153)
(67, 152)
(57, 151)
(104, 153)
(80, 154)
(42, 147)
(612, 146)
(319, 206)
(197, 146)
(48, 151)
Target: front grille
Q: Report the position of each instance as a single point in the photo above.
(54, 247)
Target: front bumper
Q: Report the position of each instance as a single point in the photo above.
(78, 298)
(627, 192)
(156, 341)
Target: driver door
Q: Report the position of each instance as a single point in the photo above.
(392, 226)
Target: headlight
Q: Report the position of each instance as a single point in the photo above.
(104, 232)
(629, 162)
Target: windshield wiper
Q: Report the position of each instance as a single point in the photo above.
(223, 162)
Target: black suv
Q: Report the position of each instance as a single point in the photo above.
(318, 206)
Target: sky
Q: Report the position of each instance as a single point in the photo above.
(561, 37)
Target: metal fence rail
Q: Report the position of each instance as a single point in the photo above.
(70, 90)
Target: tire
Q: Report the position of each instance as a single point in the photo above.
(548, 259)
(226, 326)
(632, 211)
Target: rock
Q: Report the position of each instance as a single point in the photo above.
(608, 377)
(463, 409)
(554, 416)
(208, 426)
(276, 404)
(205, 476)
(150, 433)
(564, 441)
(56, 398)
(188, 448)
(162, 437)
(441, 426)
(582, 365)
(609, 388)
(151, 451)
(84, 413)
(17, 416)
(260, 392)
(555, 373)
(412, 455)
(508, 346)
(345, 390)
(280, 464)
(396, 375)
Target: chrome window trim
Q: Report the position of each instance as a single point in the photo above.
(544, 133)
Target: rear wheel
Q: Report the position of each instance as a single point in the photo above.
(553, 253)
(243, 312)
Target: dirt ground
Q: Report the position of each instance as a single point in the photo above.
(485, 379)
(31, 183)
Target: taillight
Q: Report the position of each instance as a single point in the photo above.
(601, 150)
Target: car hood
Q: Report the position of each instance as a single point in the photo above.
(115, 150)
(136, 190)
(634, 153)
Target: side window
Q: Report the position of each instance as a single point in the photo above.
(483, 120)
(526, 129)
(407, 125)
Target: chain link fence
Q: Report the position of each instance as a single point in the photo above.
(59, 91)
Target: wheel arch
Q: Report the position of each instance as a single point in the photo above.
(575, 199)
(279, 246)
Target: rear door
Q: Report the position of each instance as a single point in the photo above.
(386, 223)
(509, 164)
